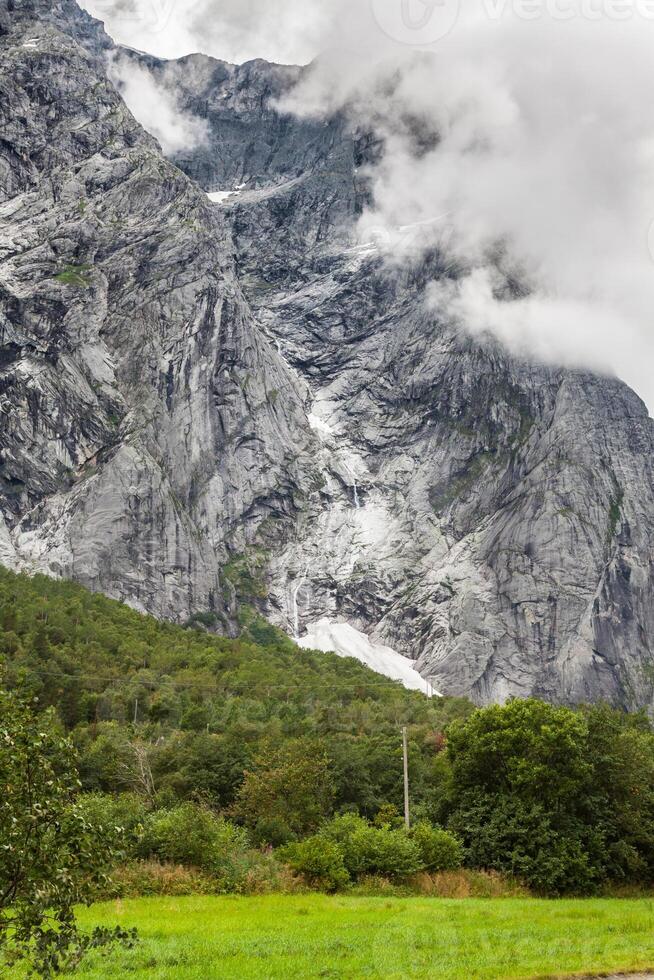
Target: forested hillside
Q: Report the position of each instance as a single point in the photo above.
(180, 713)
(183, 728)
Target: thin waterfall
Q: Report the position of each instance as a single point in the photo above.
(296, 612)
(357, 502)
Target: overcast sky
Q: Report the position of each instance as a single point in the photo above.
(543, 149)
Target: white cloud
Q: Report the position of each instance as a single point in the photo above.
(535, 138)
(521, 124)
(155, 105)
(554, 329)
(157, 26)
(233, 30)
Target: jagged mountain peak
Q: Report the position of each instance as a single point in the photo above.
(214, 404)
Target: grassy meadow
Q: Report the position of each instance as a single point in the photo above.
(343, 937)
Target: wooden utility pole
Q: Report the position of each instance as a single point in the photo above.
(405, 754)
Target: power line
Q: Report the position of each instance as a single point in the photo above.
(163, 681)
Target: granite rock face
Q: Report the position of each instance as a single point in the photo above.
(205, 405)
(138, 428)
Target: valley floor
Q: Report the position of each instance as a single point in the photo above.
(306, 936)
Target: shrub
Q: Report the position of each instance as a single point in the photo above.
(181, 835)
(319, 861)
(516, 838)
(272, 831)
(266, 875)
(194, 836)
(343, 827)
(145, 878)
(373, 850)
(389, 852)
(120, 817)
(439, 849)
(250, 873)
(232, 859)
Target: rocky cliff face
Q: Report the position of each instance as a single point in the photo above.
(212, 404)
(138, 427)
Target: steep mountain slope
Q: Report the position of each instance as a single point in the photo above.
(205, 404)
(132, 441)
(488, 516)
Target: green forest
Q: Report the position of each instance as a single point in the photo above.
(204, 708)
(252, 763)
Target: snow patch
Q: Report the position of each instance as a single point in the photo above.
(363, 247)
(346, 641)
(319, 425)
(373, 527)
(217, 197)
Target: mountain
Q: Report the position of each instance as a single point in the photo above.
(211, 402)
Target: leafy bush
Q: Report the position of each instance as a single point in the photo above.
(319, 861)
(266, 875)
(373, 850)
(258, 874)
(120, 817)
(519, 839)
(383, 854)
(389, 852)
(182, 835)
(345, 831)
(439, 849)
(193, 836)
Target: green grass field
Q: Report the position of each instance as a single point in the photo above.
(318, 936)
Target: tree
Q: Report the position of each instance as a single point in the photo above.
(621, 748)
(138, 772)
(290, 789)
(51, 857)
(526, 747)
(562, 798)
